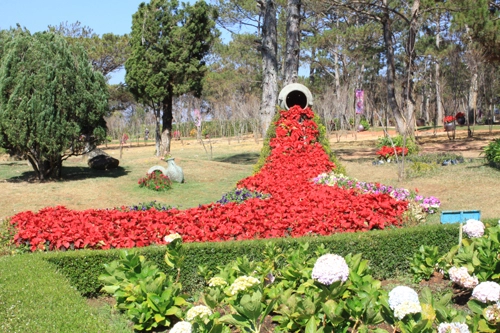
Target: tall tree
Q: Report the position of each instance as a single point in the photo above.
(169, 44)
(52, 102)
(292, 49)
(269, 51)
(107, 53)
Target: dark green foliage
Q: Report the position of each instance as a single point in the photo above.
(322, 138)
(169, 44)
(52, 103)
(492, 153)
(387, 250)
(481, 18)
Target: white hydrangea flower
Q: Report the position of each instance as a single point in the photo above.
(406, 307)
(330, 268)
(170, 238)
(242, 283)
(492, 312)
(487, 292)
(217, 282)
(198, 311)
(461, 277)
(473, 228)
(182, 327)
(404, 300)
(453, 328)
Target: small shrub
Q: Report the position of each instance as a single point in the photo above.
(418, 169)
(156, 181)
(492, 153)
(365, 123)
(386, 152)
(146, 295)
(399, 141)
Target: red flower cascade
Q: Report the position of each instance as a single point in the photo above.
(297, 207)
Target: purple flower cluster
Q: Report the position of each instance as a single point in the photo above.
(241, 194)
(429, 205)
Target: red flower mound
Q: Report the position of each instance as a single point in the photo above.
(297, 207)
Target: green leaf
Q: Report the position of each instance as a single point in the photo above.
(235, 320)
(251, 305)
(311, 325)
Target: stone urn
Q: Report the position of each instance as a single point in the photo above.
(174, 172)
(295, 94)
(449, 126)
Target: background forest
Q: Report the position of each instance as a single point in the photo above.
(416, 62)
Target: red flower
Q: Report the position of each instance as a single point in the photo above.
(296, 206)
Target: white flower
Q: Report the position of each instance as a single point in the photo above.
(330, 268)
(170, 238)
(461, 277)
(453, 328)
(242, 283)
(487, 291)
(198, 311)
(492, 312)
(181, 327)
(473, 228)
(404, 300)
(217, 282)
(406, 307)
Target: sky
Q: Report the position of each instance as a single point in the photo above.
(102, 16)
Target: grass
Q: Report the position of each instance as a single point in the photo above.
(35, 298)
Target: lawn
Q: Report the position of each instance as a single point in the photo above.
(26, 304)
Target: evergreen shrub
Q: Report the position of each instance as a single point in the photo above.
(387, 250)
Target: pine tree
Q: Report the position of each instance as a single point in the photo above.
(52, 102)
(169, 44)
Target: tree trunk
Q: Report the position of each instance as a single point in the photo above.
(292, 50)
(269, 65)
(409, 87)
(391, 74)
(166, 131)
(157, 132)
(437, 74)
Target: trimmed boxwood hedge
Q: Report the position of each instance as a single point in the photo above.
(389, 252)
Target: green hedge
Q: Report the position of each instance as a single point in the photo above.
(388, 251)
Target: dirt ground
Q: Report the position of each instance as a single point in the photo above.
(471, 186)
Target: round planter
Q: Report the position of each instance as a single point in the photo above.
(361, 128)
(295, 94)
(461, 121)
(449, 126)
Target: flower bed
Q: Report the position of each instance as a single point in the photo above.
(296, 206)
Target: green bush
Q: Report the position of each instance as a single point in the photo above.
(492, 153)
(387, 250)
(365, 123)
(399, 141)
